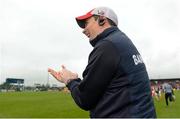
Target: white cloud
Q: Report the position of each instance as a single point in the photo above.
(37, 34)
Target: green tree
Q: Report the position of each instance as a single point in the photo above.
(5, 85)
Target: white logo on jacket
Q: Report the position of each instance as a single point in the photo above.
(137, 59)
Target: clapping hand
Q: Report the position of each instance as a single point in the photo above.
(64, 75)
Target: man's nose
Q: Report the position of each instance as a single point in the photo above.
(84, 31)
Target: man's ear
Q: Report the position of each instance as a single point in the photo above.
(101, 21)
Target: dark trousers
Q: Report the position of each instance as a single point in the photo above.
(168, 96)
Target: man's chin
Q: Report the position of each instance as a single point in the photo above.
(90, 39)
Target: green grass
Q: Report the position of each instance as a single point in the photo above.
(170, 111)
(61, 105)
(39, 105)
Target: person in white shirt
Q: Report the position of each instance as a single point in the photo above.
(168, 92)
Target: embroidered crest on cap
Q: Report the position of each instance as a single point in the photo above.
(100, 12)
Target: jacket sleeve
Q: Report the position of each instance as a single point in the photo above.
(102, 65)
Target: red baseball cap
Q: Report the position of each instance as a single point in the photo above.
(100, 11)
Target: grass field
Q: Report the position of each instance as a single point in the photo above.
(61, 105)
(171, 111)
(38, 105)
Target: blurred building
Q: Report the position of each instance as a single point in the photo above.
(15, 84)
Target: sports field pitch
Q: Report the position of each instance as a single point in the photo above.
(61, 105)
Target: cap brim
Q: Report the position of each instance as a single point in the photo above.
(81, 23)
(82, 19)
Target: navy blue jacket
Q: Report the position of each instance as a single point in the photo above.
(115, 82)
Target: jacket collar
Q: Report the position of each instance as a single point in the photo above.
(104, 34)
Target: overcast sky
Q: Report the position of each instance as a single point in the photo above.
(37, 34)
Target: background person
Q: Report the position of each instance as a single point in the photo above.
(115, 82)
(168, 90)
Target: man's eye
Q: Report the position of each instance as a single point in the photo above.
(86, 23)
